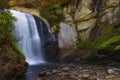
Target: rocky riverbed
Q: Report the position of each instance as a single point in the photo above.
(79, 72)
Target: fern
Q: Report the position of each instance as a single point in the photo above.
(110, 43)
(117, 47)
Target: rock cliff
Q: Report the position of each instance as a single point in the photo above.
(82, 17)
(85, 13)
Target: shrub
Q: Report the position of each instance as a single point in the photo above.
(6, 31)
(108, 38)
(6, 27)
(53, 13)
(112, 43)
(88, 44)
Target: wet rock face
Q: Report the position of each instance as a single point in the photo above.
(49, 40)
(52, 51)
(78, 72)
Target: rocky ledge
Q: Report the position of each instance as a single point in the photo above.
(79, 72)
(12, 64)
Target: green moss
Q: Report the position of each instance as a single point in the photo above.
(108, 38)
(16, 48)
(117, 47)
(110, 43)
(55, 28)
(88, 44)
(105, 32)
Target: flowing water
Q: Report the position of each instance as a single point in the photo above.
(32, 35)
(34, 70)
(29, 39)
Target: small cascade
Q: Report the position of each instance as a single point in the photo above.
(30, 41)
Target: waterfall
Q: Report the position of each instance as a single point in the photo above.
(30, 41)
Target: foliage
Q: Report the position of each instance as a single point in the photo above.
(53, 13)
(108, 38)
(16, 48)
(6, 31)
(111, 43)
(6, 27)
(117, 47)
(88, 44)
(11, 59)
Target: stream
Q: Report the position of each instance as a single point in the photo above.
(33, 70)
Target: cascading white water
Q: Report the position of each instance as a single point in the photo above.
(30, 41)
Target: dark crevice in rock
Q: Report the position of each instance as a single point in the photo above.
(77, 3)
(49, 41)
(97, 6)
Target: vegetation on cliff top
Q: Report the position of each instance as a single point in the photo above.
(53, 13)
